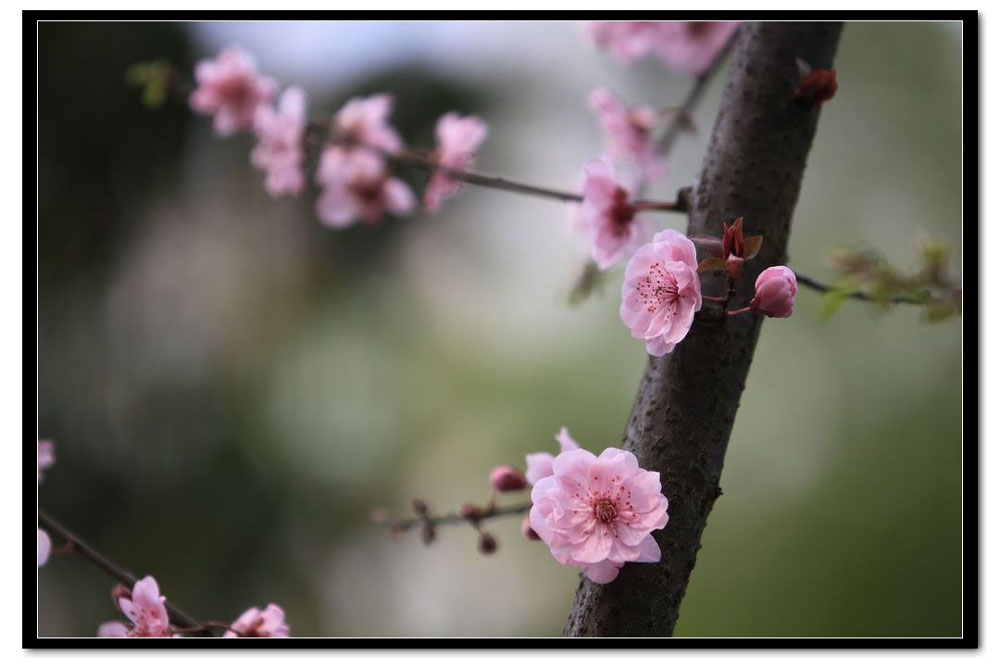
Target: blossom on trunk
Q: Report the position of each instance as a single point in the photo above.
(230, 89)
(279, 150)
(146, 611)
(661, 292)
(628, 131)
(357, 185)
(774, 294)
(457, 141)
(257, 623)
(607, 217)
(540, 464)
(598, 512)
(366, 121)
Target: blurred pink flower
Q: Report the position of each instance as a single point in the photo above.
(606, 217)
(279, 150)
(775, 292)
(256, 623)
(230, 88)
(146, 611)
(356, 185)
(540, 464)
(692, 46)
(365, 120)
(628, 131)
(44, 547)
(457, 141)
(113, 628)
(507, 479)
(598, 512)
(46, 456)
(661, 292)
(689, 46)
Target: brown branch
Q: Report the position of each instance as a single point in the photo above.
(178, 618)
(820, 287)
(687, 401)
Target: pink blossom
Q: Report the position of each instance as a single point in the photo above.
(775, 290)
(146, 611)
(692, 46)
(230, 88)
(598, 512)
(628, 131)
(457, 141)
(44, 547)
(357, 185)
(607, 217)
(279, 147)
(46, 456)
(661, 292)
(540, 464)
(365, 121)
(256, 623)
(507, 479)
(113, 628)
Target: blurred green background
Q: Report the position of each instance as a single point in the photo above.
(232, 387)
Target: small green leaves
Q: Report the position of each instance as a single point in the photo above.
(154, 80)
(832, 302)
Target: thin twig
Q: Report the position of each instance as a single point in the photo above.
(405, 524)
(818, 286)
(177, 617)
(683, 117)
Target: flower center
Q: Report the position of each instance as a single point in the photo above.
(621, 212)
(658, 289)
(605, 511)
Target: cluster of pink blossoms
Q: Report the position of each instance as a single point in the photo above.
(147, 613)
(607, 217)
(595, 512)
(688, 46)
(46, 458)
(353, 172)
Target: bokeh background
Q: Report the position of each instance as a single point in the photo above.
(232, 387)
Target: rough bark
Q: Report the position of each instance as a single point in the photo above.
(687, 401)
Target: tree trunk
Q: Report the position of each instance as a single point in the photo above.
(687, 402)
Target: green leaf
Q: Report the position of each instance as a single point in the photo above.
(831, 303)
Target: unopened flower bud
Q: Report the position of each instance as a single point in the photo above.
(815, 85)
(118, 591)
(428, 534)
(487, 543)
(732, 239)
(507, 479)
(471, 512)
(775, 292)
(734, 268)
(526, 530)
